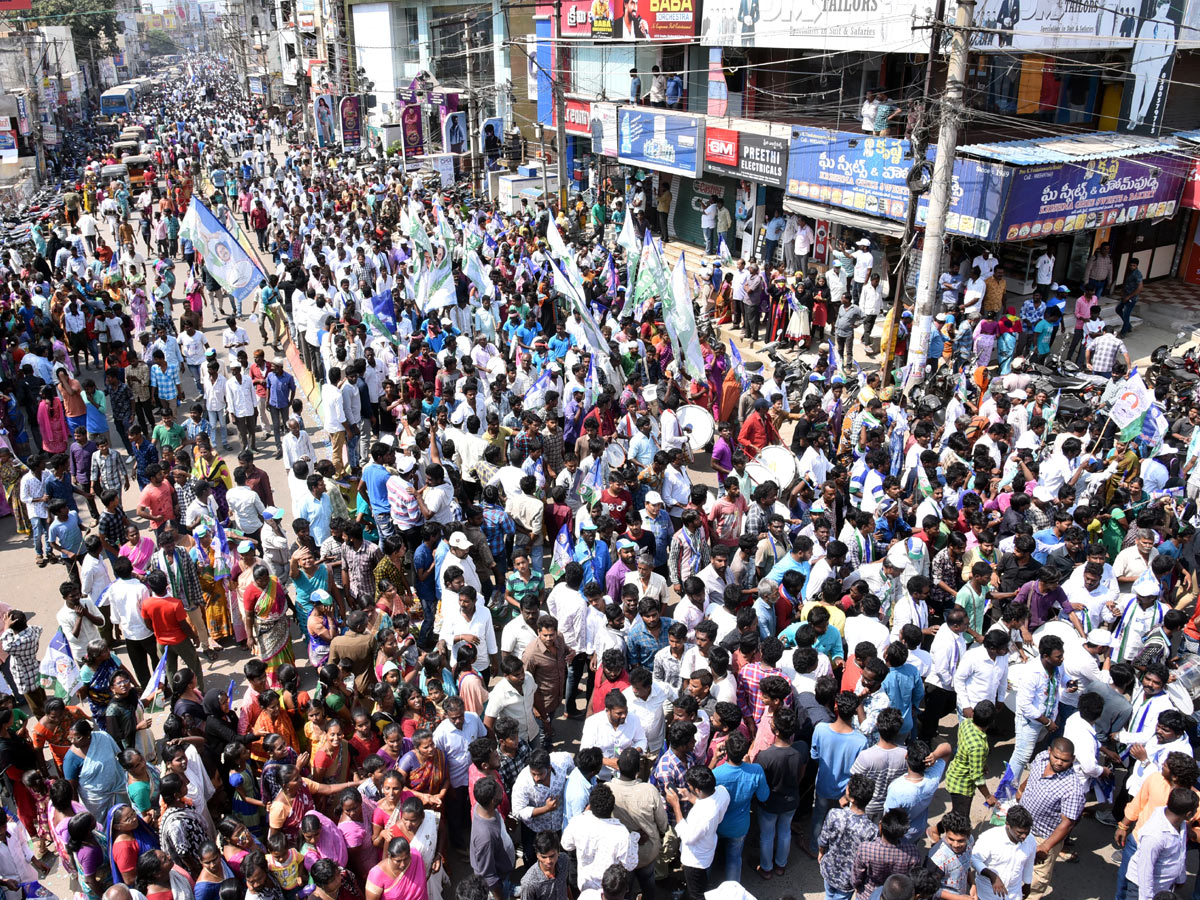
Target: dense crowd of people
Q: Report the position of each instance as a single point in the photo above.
(503, 530)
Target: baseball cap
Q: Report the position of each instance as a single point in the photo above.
(655, 498)
(272, 512)
(1100, 637)
(245, 547)
(460, 541)
(404, 464)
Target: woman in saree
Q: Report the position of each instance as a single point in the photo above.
(264, 605)
(141, 784)
(138, 549)
(129, 837)
(138, 310)
(100, 666)
(422, 829)
(424, 769)
(236, 843)
(183, 759)
(416, 711)
(194, 290)
(272, 720)
(385, 817)
(88, 849)
(1006, 342)
(321, 626)
(181, 831)
(12, 470)
(17, 757)
(91, 766)
(321, 839)
(308, 575)
(295, 800)
(986, 333)
(213, 873)
(208, 466)
(331, 761)
(213, 567)
(400, 875)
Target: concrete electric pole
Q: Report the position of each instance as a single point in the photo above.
(939, 191)
(560, 106)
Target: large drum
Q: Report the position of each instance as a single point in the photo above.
(701, 424)
(759, 474)
(783, 463)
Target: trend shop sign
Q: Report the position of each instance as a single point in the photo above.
(754, 157)
(577, 117)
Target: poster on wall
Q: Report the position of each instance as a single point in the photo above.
(454, 133)
(660, 141)
(23, 124)
(1150, 66)
(8, 145)
(323, 119)
(351, 115)
(876, 26)
(531, 69)
(443, 164)
(604, 129)
(625, 20)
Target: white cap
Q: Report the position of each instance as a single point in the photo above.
(321, 597)
(1100, 637)
(654, 497)
(404, 464)
(897, 557)
(460, 541)
(863, 242)
(1041, 492)
(1016, 394)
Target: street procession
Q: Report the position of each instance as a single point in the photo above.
(767, 485)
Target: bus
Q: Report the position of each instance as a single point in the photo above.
(120, 100)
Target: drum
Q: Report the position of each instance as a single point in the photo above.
(759, 474)
(614, 455)
(703, 426)
(510, 479)
(783, 463)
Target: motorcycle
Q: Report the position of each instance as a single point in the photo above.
(1177, 367)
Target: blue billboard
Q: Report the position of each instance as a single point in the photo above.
(664, 142)
(869, 175)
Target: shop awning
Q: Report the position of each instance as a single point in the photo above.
(844, 217)
(1069, 148)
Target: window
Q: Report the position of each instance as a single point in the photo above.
(404, 36)
(601, 70)
(448, 50)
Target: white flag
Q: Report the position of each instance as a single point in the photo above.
(562, 552)
(1133, 401)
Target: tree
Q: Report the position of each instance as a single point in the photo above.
(159, 43)
(91, 21)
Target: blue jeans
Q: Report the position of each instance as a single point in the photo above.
(834, 894)
(1123, 869)
(710, 241)
(1026, 740)
(1125, 310)
(195, 370)
(769, 247)
(821, 808)
(774, 839)
(41, 539)
(733, 856)
(216, 424)
(428, 610)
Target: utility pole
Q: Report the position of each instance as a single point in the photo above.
(472, 103)
(939, 192)
(560, 106)
(33, 88)
(920, 144)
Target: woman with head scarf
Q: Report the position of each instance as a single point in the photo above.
(124, 715)
(181, 830)
(221, 723)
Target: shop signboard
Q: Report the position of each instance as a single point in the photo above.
(625, 20)
(15, 5)
(691, 196)
(753, 157)
(443, 164)
(454, 133)
(869, 175)
(874, 26)
(1009, 25)
(410, 124)
(1061, 198)
(664, 142)
(604, 129)
(578, 117)
(256, 85)
(24, 126)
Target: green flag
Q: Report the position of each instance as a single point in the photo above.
(653, 280)
(628, 239)
(680, 316)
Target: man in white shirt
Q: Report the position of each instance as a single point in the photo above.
(599, 840)
(1080, 730)
(946, 652)
(804, 244)
(1159, 862)
(125, 598)
(868, 628)
(649, 701)
(192, 344)
(78, 618)
(983, 673)
(470, 623)
(215, 404)
(1003, 857)
(697, 831)
(612, 730)
(245, 506)
(242, 403)
(867, 112)
(986, 263)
